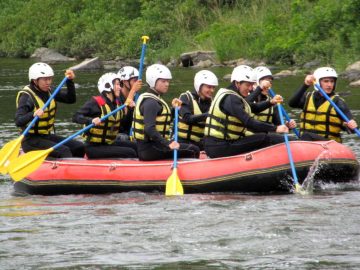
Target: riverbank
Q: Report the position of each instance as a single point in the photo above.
(233, 29)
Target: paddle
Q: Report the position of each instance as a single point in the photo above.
(272, 94)
(337, 109)
(10, 151)
(29, 162)
(173, 184)
(298, 187)
(143, 51)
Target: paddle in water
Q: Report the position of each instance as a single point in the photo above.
(10, 151)
(298, 187)
(173, 184)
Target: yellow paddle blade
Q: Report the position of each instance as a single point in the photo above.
(173, 185)
(27, 163)
(299, 189)
(8, 153)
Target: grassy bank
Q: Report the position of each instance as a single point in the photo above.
(282, 32)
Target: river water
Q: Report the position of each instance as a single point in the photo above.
(134, 230)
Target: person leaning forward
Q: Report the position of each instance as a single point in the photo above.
(29, 103)
(319, 120)
(264, 79)
(128, 77)
(100, 139)
(152, 120)
(230, 128)
(194, 108)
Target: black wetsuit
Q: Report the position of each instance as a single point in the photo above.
(24, 115)
(298, 100)
(258, 97)
(188, 116)
(119, 149)
(155, 146)
(231, 105)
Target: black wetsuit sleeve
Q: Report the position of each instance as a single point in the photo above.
(299, 98)
(150, 109)
(67, 96)
(233, 106)
(86, 113)
(276, 118)
(344, 108)
(126, 121)
(25, 111)
(186, 112)
(260, 106)
(254, 95)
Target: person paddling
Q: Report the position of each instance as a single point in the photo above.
(230, 128)
(152, 120)
(195, 107)
(319, 120)
(264, 81)
(128, 76)
(29, 103)
(100, 140)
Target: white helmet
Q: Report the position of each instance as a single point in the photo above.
(105, 82)
(243, 73)
(262, 72)
(39, 70)
(205, 77)
(155, 72)
(324, 72)
(126, 73)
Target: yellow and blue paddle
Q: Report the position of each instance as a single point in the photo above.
(30, 161)
(272, 94)
(10, 150)
(173, 184)
(298, 187)
(337, 109)
(141, 66)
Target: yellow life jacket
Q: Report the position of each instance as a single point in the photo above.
(323, 121)
(266, 115)
(193, 132)
(45, 124)
(163, 120)
(223, 126)
(106, 132)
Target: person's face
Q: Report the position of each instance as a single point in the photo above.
(244, 88)
(327, 84)
(206, 91)
(117, 87)
(127, 86)
(162, 86)
(44, 83)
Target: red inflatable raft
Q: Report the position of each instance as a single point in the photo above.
(265, 170)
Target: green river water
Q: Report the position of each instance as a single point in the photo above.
(149, 231)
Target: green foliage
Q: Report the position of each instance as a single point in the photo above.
(286, 32)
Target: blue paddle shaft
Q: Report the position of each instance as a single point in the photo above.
(143, 50)
(337, 109)
(293, 170)
(45, 106)
(141, 66)
(272, 94)
(88, 127)
(176, 135)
